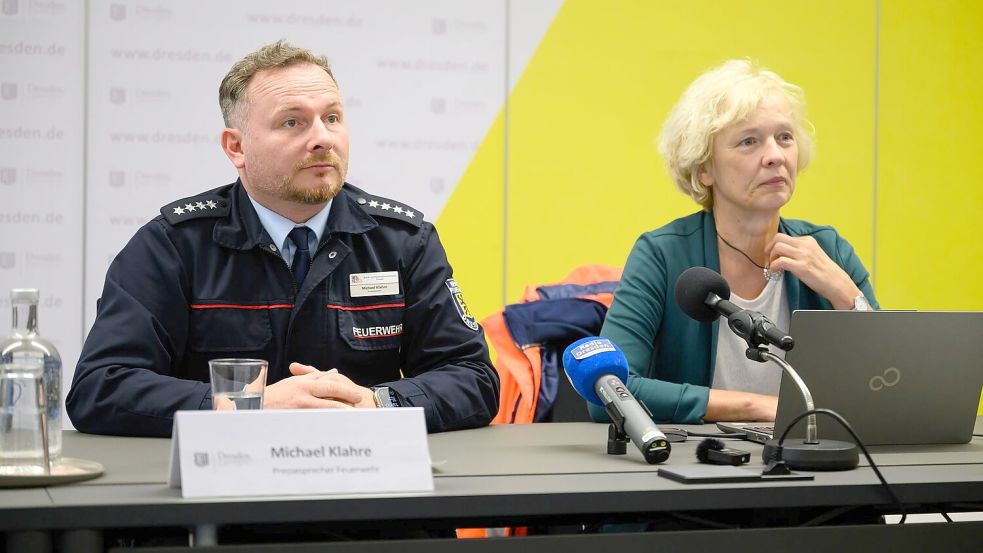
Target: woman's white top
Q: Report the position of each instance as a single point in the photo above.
(732, 370)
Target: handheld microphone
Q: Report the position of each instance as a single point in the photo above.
(704, 295)
(597, 369)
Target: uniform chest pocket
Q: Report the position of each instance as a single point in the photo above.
(370, 326)
(221, 327)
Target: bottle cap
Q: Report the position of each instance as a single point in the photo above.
(24, 295)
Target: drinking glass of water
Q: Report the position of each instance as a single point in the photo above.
(237, 383)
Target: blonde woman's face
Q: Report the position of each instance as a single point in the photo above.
(753, 162)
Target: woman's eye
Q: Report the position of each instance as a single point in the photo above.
(747, 142)
(786, 137)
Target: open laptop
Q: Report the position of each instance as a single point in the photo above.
(898, 377)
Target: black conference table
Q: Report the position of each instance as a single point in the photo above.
(541, 475)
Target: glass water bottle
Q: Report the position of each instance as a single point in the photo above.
(24, 345)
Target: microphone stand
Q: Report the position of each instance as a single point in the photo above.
(808, 453)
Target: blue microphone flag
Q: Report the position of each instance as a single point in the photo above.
(588, 359)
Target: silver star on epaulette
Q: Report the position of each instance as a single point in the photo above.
(179, 210)
(200, 205)
(373, 203)
(398, 209)
(211, 204)
(387, 207)
(190, 207)
(410, 214)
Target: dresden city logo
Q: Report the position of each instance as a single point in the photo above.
(117, 178)
(8, 175)
(8, 90)
(117, 95)
(201, 459)
(10, 7)
(8, 260)
(117, 12)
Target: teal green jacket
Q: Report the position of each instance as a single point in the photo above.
(671, 356)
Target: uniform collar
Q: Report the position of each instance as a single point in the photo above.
(243, 230)
(347, 216)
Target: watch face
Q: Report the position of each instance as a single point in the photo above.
(384, 397)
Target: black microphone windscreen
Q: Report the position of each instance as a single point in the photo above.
(702, 450)
(692, 288)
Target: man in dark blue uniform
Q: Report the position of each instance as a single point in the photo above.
(349, 296)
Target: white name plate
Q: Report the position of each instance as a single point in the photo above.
(305, 451)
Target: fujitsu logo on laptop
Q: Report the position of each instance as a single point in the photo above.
(890, 378)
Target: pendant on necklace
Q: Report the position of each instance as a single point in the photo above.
(771, 276)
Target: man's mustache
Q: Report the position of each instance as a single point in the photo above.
(328, 159)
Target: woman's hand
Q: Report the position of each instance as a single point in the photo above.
(802, 256)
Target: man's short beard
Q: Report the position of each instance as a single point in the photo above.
(314, 196)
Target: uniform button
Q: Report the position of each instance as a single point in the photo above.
(361, 201)
(332, 255)
(272, 247)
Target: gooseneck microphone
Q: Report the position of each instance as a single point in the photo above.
(704, 295)
(598, 369)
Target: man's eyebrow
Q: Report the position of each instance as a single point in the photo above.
(298, 107)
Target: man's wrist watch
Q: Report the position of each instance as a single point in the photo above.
(860, 303)
(385, 397)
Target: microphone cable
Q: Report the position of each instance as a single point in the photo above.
(777, 454)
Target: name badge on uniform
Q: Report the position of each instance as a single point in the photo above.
(364, 285)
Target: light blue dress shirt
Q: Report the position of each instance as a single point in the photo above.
(278, 227)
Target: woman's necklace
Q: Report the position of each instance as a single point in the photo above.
(764, 270)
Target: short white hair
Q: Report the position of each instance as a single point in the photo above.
(717, 99)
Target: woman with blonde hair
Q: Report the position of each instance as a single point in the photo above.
(734, 142)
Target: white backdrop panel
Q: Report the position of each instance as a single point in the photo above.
(41, 167)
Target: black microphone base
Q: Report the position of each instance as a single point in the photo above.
(826, 455)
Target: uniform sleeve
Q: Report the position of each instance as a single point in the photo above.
(122, 384)
(445, 361)
(633, 323)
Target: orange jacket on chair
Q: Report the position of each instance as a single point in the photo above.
(519, 366)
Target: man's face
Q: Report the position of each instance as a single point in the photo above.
(294, 139)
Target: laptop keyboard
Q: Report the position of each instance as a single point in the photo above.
(763, 428)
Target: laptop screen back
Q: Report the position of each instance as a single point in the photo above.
(898, 377)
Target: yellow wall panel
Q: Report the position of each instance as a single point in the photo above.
(584, 177)
(471, 225)
(930, 186)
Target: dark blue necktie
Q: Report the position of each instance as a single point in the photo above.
(302, 255)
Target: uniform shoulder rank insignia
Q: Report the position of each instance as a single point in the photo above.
(195, 207)
(379, 206)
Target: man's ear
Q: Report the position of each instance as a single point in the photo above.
(232, 144)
